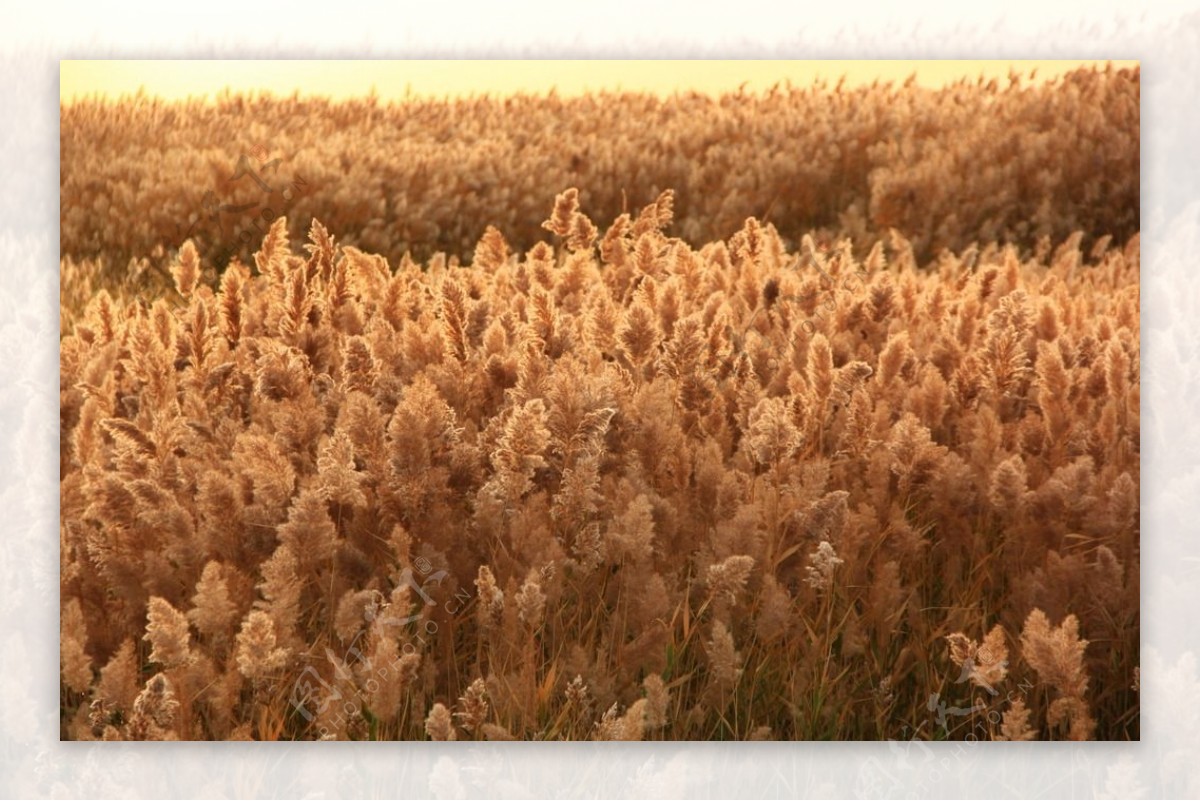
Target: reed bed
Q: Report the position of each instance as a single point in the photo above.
(809, 414)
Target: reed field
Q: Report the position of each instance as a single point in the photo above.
(804, 414)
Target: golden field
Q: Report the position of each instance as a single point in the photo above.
(806, 415)
(971, 162)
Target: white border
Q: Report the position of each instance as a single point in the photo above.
(34, 763)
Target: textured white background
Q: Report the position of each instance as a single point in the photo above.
(1167, 40)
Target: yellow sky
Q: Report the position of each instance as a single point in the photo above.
(340, 79)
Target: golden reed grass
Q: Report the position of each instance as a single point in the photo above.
(674, 512)
(615, 485)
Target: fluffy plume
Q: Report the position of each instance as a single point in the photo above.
(531, 601)
(186, 269)
(1056, 653)
(729, 577)
(725, 662)
(439, 725)
(1015, 723)
(986, 664)
(154, 711)
(76, 666)
(258, 657)
(213, 611)
(473, 706)
(168, 634)
(823, 563)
